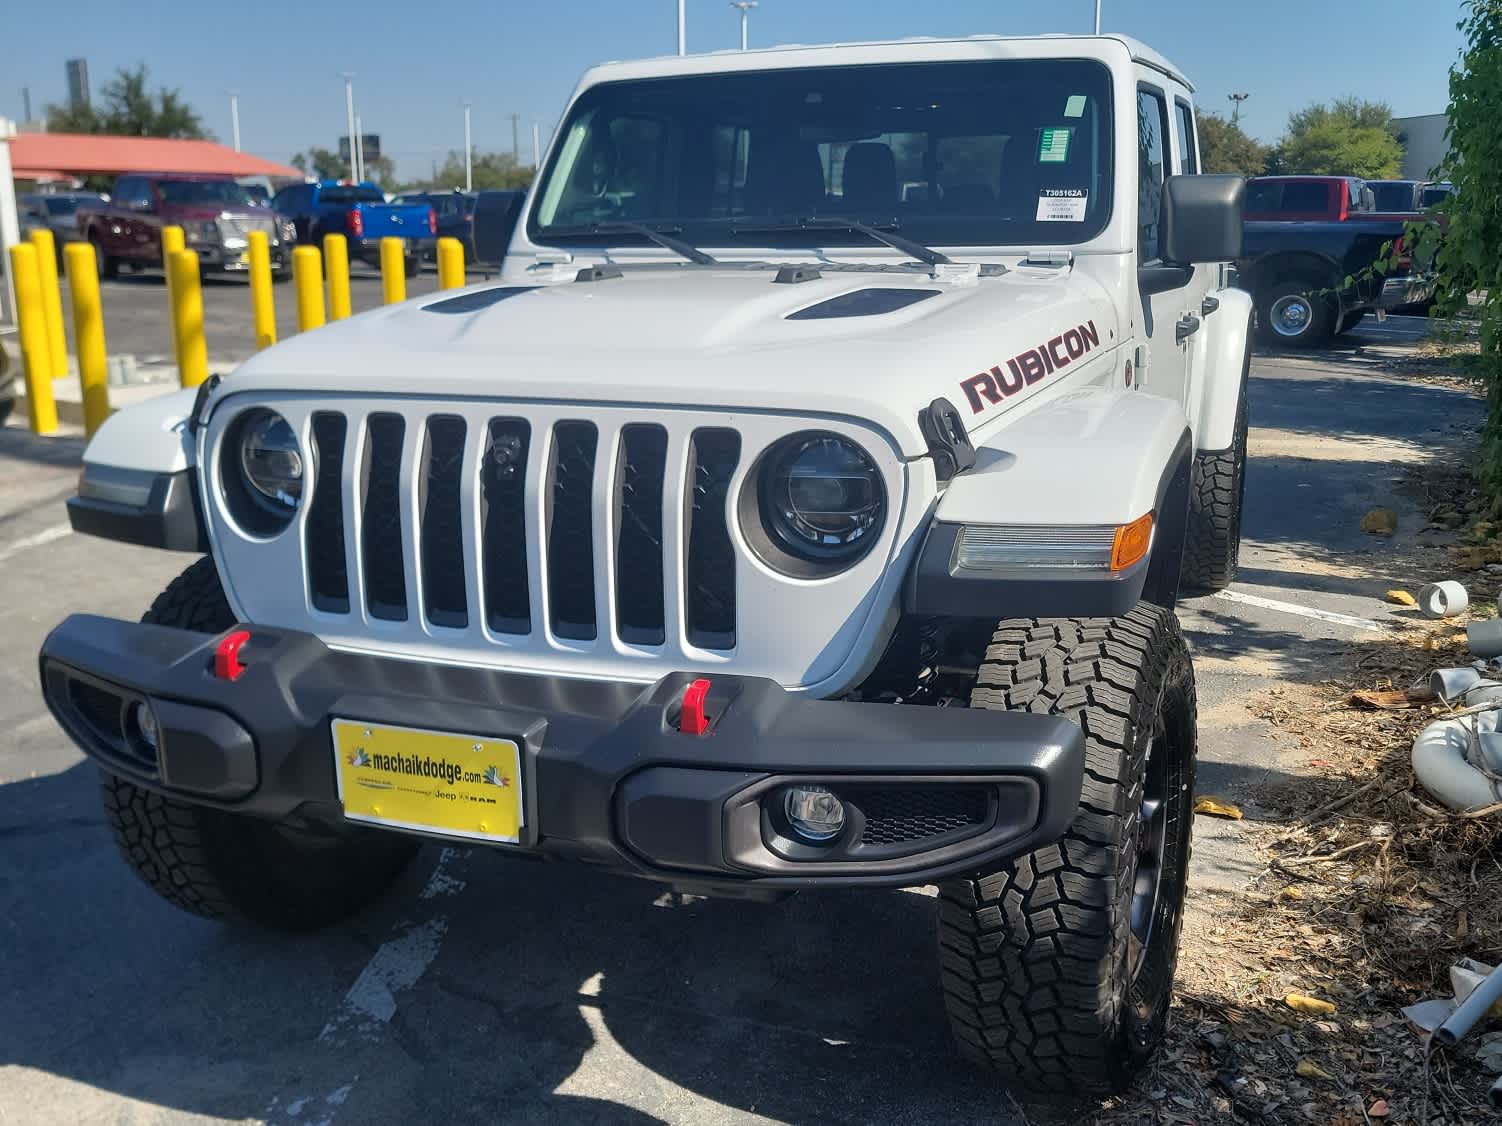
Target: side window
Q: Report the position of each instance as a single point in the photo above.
(1189, 161)
(134, 190)
(1152, 156)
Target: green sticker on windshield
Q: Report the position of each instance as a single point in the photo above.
(1075, 106)
(1053, 146)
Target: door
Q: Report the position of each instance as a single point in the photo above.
(1167, 368)
(1195, 323)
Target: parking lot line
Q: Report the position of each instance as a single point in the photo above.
(26, 543)
(1303, 611)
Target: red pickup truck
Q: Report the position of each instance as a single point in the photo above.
(1313, 199)
(215, 213)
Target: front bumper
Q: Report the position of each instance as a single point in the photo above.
(236, 259)
(607, 776)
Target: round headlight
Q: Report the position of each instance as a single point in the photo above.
(821, 501)
(271, 461)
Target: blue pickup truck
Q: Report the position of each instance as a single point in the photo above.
(360, 213)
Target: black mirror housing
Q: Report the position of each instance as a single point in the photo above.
(495, 219)
(1202, 217)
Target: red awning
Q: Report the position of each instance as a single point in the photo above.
(36, 156)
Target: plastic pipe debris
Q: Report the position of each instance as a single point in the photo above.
(1466, 976)
(1452, 684)
(1448, 761)
(1471, 1010)
(1485, 638)
(1443, 600)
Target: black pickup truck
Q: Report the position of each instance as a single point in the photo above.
(1296, 268)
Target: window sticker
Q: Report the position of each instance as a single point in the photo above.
(1075, 106)
(1062, 205)
(1053, 145)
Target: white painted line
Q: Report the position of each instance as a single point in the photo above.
(26, 543)
(1304, 611)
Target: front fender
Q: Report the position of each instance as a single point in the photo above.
(151, 437)
(1221, 364)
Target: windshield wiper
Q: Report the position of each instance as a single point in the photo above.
(621, 227)
(836, 223)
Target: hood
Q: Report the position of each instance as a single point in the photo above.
(209, 211)
(874, 345)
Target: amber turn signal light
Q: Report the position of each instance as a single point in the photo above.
(1132, 542)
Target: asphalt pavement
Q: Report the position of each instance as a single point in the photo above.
(490, 989)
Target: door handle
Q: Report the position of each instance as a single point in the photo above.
(1188, 325)
(1209, 305)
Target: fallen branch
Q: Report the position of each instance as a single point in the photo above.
(1336, 855)
(1342, 802)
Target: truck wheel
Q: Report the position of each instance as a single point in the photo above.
(108, 267)
(281, 275)
(412, 265)
(1057, 967)
(230, 866)
(1212, 541)
(1292, 314)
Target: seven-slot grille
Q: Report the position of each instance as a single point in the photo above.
(238, 226)
(556, 506)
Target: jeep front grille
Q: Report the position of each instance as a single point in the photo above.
(572, 480)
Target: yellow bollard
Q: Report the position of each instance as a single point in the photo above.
(336, 267)
(393, 270)
(172, 242)
(88, 334)
(52, 303)
(187, 318)
(450, 263)
(307, 277)
(34, 353)
(260, 289)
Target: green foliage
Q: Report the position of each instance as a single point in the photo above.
(491, 171)
(1225, 148)
(1346, 138)
(127, 108)
(1470, 256)
(321, 164)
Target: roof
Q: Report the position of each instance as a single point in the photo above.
(56, 155)
(897, 49)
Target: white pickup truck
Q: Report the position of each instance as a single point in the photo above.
(804, 506)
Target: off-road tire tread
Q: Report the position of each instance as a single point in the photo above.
(230, 866)
(1212, 543)
(1028, 951)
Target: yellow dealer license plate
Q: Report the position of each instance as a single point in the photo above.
(431, 781)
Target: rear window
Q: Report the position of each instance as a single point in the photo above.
(352, 195)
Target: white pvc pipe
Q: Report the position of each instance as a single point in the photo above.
(1442, 764)
(10, 226)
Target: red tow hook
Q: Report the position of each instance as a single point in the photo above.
(227, 663)
(692, 720)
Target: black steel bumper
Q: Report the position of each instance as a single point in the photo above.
(606, 774)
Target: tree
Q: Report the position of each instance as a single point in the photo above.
(1346, 138)
(491, 171)
(128, 108)
(1225, 148)
(321, 164)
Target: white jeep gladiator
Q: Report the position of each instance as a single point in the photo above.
(804, 506)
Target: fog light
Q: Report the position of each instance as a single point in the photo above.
(145, 723)
(813, 812)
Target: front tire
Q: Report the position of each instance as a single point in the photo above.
(231, 866)
(1058, 966)
(1294, 314)
(412, 265)
(1212, 541)
(108, 267)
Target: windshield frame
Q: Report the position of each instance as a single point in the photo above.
(162, 185)
(983, 233)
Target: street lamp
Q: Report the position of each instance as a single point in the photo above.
(1236, 112)
(682, 34)
(745, 6)
(349, 112)
(234, 116)
(1097, 17)
(469, 154)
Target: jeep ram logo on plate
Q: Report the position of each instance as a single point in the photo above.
(990, 387)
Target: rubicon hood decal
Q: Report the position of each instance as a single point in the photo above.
(1026, 368)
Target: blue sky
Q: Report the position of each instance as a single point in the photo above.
(416, 63)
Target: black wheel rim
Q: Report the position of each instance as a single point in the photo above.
(1152, 844)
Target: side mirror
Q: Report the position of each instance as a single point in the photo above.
(496, 214)
(1202, 218)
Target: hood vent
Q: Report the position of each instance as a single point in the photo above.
(479, 299)
(863, 303)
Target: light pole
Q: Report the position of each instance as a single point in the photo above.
(516, 147)
(536, 146)
(349, 113)
(359, 151)
(234, 116)
(1097, 17)
(745, 6)
(1236, 112)
(682, 34)
(469, 154)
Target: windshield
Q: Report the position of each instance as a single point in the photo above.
(1394, 195)
(351, 195)
(67, 204)
(203, 191)
(1011, 152)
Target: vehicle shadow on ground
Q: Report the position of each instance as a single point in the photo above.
(19, 443)
(1390, 409)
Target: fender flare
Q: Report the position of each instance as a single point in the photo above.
(1224, 361)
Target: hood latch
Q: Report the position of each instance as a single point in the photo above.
(943, 428)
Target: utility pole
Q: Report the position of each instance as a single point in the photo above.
(1236, 112)
(1097, 17)
(516, 147)
(234, 116)
(536, 147)
(682, 34)
(469, 154)
(745, 6)
(26, 104)
(349, 113)
(359, 151)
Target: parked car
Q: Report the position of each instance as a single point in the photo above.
(215, 213)
(1401, 196)
(755, 531)
(360, 213)
(1304, 198)
(10, 386)
(56, 212)
(454, 213)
